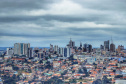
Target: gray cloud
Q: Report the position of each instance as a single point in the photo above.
(42, 22)
(24, 4)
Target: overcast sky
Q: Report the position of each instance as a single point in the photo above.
(41, 22)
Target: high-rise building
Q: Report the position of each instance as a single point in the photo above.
(30, 52)
(61, 51)
(10, 51)
(101, 47)
(21, 48)
(120, 47)
(67, 52)
(80, 45)
(87, 48)
(71, 44)
(40, 55)
(56, 48)
(26, 46)
(106, 45)
(112, 47)
(7, 50)
(90, 48)
(51, 48)
(17, 48)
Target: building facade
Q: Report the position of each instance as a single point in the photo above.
(106, 45)
(112, 47)
(21, 48)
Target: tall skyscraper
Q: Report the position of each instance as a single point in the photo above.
(21, 48)
(26, 46)
(90, 48)
(51, 48)
(85, 45)
(61, 51)
(56, 48)
(67, 52)
(30, 52)
(71, 43)
(87, 48)
(112, 46)
(106, 45)
(17, 48)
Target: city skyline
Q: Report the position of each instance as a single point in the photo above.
(45, 22)
(104, 45)
(62, 42)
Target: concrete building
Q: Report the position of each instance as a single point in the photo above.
(90, 48)
(56, 48)
(30, 52)
(61, 51)
(21, 48)
(51, 48)
(87, 48)
(17, 48)
(71, 44)
(101, 47)
(120, 47)
(67, 52)
(112, 47)
(106, 45)
(26, 46)
(10, 51)
(40, 55)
